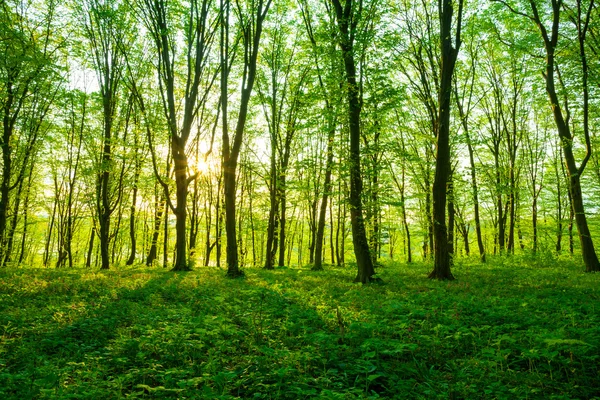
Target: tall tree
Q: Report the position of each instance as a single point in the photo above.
(348, 16)
(28, 85)
(464, 103)
(579, 15)
(105, 28)
(170, 23)
(449, 53)
(250, 17)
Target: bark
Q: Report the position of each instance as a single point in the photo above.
(159, 208)
(405, 220)
(327, 185)
(359, 235)
(588, 252)
(251, 34)
(49, 236)
(132, 236)
(90, 252)
(442, 260)
(559, 201)
(13, 225)
(273, 209)
(166, 238)
(202, 30)
(282, 222)
(451, 215)
(464, 115)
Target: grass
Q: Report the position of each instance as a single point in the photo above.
(515, 328)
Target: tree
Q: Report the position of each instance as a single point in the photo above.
(29, 83)
(325, 76)
(449, 53)
(464, 103)
(580, 17)
(166, 20)
(348, 16)
(105, 28)
(250, 22)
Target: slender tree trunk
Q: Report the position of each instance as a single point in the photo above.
(570, 226)
(559, 209)
(475, 191)
(90, 252)
(442, 259)
(159, 208)
(7, 133)
(404, 219)
(359, 235)
(132, 209)
(49, 235)
(274, 209)
(166, 237)
(13, 225)
(282, 220)
(428, 243)
(331, 231)
(588, 252)
(25, 214)
(451, 215)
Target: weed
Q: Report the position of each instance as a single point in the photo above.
(508, 329)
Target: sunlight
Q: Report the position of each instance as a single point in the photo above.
(199, 165)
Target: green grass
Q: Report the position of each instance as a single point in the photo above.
(518, 328)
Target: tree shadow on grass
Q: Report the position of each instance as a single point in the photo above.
(74, 329)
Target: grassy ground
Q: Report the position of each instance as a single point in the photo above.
(513, 329)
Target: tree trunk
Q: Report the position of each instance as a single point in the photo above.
(132, 210)
(181, 182)
(90, 252)
(273, 209)
(442, 259)
(588, 252)
(25, 214)
(159, 208)
(131, 258)
(166, 237)
(282, 222)
(451, 218)
(231, 148)
(404, 220)
(359, 235)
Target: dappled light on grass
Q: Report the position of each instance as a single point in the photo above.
(502, 330)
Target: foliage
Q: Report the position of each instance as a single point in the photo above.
(518, 327)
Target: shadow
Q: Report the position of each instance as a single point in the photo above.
(74, 319)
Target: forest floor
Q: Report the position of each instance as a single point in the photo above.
(514, 328)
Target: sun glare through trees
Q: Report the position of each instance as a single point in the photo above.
(282, 178)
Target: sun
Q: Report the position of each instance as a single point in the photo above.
(203, 165)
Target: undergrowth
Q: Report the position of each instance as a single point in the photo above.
(511, 329)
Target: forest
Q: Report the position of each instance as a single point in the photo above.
(246, 198)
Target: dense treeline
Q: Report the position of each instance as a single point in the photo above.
(237, 133)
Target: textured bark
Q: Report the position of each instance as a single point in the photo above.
(318, 264)
(202, 31)
(442, 259)
(251, 34)
(132, 237)
(347, 25)
(464, 114)
(159, 208)
(588, 252)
